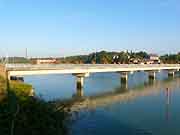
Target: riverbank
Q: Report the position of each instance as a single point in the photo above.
(2, 89)
(23, 114)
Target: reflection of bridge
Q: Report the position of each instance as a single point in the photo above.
(83, 70)
(123, 95)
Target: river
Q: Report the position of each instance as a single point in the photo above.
(141, 107)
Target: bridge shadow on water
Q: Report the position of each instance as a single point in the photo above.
(118, 94)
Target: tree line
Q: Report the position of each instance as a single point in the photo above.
(103, 57)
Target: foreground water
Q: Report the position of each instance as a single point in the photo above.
(144, 107)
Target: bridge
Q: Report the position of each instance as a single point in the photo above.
(84, 70)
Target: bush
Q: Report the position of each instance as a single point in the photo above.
(21, 114)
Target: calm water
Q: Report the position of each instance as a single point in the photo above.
(144, 108)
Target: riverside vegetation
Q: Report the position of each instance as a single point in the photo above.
(21, 114)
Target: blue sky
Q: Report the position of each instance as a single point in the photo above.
(69, 27)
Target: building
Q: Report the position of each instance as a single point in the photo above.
(134, 61)
(153, 59)
(44, 61)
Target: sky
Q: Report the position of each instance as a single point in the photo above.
(71, 27)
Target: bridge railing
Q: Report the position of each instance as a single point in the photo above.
(87, 65)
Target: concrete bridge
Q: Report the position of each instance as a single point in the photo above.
(83, 70)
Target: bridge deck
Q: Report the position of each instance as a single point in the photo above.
(23, 67)
(29, 69)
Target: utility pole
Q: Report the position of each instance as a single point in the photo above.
(26, 54)
(95, 58)
(6, 61)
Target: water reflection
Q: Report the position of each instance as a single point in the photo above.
(151, 81)
(124, 85)
(105, 106)
(123, 94)
(79, 93)
(168, 101)
(106, 113)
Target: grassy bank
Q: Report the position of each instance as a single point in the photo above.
(2, 89)
(21, 114)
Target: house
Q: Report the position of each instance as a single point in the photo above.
(135, 61)
(153, 59)
(44, 61)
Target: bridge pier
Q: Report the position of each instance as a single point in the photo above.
(80, 80)
(152, 75)
(124, 80)
(124, 76)
(79, 92)
(171, 73)
(178, 72)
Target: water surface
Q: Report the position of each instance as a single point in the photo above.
(145, 107)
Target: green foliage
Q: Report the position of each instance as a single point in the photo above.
(38, 117)
(21, 90)
(21, 114)
(2, 84)
(142, 54)
(18, 60)
(2, 88)
(123, 58)
(30, 117)
(170, 59)
(104, 57)
(74, 59)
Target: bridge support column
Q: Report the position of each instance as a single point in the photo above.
(80, 80)
(124, 76)
(79, 92)
(152, 75)
(124, 80)
(171, 73)
(178, 72)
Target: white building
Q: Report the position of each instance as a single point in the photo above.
(46, 61)
(154, 59)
